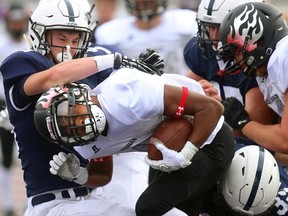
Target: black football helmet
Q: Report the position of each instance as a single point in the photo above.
(146, 9)
(211, 13)
(58, 121)
(255, 28)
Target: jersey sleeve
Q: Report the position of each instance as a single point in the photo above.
(280, 73)
(15, 70)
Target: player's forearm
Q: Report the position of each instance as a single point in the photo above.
(271, 137)
(100, 173)
(72, 71)
(205, 122)
(66, 72)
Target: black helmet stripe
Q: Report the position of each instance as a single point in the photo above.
(70, 11)
(257, 179)
(210, 7)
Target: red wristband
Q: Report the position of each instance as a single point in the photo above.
(180, 108)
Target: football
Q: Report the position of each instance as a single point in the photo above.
(173, 133)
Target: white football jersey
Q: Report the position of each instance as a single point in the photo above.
(275, 85)
(133, 105)
(169, 38)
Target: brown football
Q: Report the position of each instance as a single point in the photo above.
(173, 133)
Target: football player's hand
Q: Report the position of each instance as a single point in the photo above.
(67, 166)
(152, 57)
(173, 160)
(4, 120)
(122, 61)
(209, 89)
(235, 113)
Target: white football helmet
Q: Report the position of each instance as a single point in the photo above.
(57, 14)
(210, 14)
(251, 184)
(59, 121)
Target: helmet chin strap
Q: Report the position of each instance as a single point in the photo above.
(65, 55)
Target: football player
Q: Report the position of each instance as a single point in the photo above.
(122, 117)
(166, 31)
(258, 45)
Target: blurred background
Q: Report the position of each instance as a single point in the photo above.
(18, 189)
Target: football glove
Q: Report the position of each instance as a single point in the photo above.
(67, 166)
(152, 57)
(235, 113)
(147, 66)
(173, 160)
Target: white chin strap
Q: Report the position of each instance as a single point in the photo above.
(64, 56)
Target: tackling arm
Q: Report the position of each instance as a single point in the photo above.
(273, 137)
(70, 71)
(97, 173)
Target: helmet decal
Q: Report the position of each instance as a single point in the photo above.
(70, 11)
(45, 99)
(257, 180)
(247, 29)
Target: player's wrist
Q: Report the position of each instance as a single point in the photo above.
(82, 176)
(188, 151)
(242, 121)
(104, 62)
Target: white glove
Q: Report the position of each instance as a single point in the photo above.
(4, 120)
(173, 160)
(68, 168)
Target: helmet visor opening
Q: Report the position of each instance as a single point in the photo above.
(74, 125)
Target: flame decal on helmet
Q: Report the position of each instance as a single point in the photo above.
(247, 24)
(45, 99)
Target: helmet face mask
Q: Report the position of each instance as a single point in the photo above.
(247, 28)
(61, 15)
(145, 10)
(67, 116)
(206, 44)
